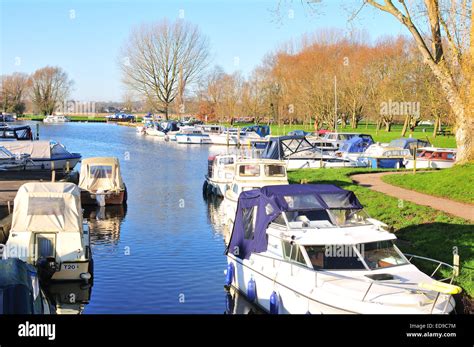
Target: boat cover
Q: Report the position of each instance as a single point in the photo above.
(101, 174)
(282, 147)
(257, 208)
(36, 149)
(47, 207)
(356, 144)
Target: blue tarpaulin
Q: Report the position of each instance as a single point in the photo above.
(356, 144)
(257, 208)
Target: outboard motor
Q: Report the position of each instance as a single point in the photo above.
(47, 267)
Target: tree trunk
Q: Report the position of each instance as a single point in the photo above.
(436, 125)
(405, 126)
(388, 126)
(167, 106)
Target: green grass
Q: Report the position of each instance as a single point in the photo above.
(420, 230)
(380, 136)
(456, 183)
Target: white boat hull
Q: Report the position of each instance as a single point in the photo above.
(429, 164)
(197, 140)
(232, 140)
(301, 290)
(49, 164)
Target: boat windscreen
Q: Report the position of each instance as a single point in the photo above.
(349, 217)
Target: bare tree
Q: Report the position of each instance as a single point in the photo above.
(49, 87)
(13, 90)
(160, 60)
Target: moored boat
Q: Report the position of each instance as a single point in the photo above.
(55, 119)
(299, 153)
(43, 155)
(101, 182)
(385, 157)
(48, 232)
(220, 172)
(432, 158)
(252, 174)
(312, 249)
(192, 135)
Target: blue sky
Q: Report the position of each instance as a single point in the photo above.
(84, 37)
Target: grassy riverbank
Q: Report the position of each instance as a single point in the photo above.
(421, 230)
(456, 183)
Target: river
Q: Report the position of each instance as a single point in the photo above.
(164, 253)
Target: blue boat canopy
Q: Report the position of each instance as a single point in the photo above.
(257, 208)
(356, 144)
(262, 130)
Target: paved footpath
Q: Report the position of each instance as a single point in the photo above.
(374, 182)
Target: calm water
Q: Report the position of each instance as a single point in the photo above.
(164, 253)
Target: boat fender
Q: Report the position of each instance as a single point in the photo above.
(229, 274)
(229, 304)
(251, 290)
(274, 303)
(205, 188)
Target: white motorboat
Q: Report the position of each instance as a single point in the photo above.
(252, 174)
(43, 155)
(234, 137)
(48, 232)
(432, 158)
(220, 172)
(377, 156)
(192, 135)
(312, 249)
(59, 118)
(299, 153)
(155, 130)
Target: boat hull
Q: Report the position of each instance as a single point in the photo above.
(71, 271)
(50, 164)
(88, 198)
(299, 295)
(429, 164)
(196, 140)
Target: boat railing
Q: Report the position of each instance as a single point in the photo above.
(372, 283)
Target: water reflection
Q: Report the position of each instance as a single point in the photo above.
(236, 303)
(104, 223)
(217, 216)
(69, 297)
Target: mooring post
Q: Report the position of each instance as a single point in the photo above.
(53, 172)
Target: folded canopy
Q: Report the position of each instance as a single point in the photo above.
(47, 207)
(36, 149)
(101, 174)
(257, 208)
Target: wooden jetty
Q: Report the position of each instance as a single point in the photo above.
(11, 181)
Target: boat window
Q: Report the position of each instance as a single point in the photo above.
(301, 202)
(45, 246)
(337, 200)
(280, 219)
(293, 253)
(381, 254)
(101, 171)
(235, 189)
(450, 156)
(249, 222)
(45, 206)
(334, 257)
(274, 170)
(349, 217)
(249, 170)
(226, 161)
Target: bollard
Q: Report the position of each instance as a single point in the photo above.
(456, 264)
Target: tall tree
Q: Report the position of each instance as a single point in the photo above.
(13, 90)
(440, 30)
(50, 86)
(160, 60)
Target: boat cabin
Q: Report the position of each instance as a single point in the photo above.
(47, 231)
(16, 133)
